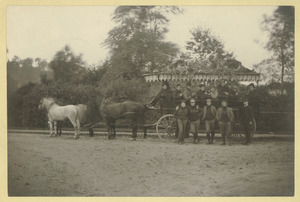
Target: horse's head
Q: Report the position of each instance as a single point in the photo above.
(103, 103)
(149, 106)
(46, 102)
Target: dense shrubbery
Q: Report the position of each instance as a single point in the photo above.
(271, 103)
(23, 104)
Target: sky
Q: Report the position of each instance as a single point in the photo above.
(41, 31)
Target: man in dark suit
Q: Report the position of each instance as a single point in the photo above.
(247, 120)
(223, 90)
(165, 98)
(177, 95)
(201, 95)
(194, 118)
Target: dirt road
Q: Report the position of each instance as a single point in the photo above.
(94, 166)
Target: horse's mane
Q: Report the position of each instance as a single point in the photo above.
(51, 99)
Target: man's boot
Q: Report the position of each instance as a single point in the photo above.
(229, 139)
(208, 137)
(212, 138)
(187, 130)
(176, 131)
(196, 138)
(223, 137)
(91, 132)
(247, 139)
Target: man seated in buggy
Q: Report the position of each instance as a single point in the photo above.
(165, 99)
(223, 90)
(201, 95)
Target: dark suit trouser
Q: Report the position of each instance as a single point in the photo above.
(225, 129)
(182, 128)
(247, 130)
(187, 130)
(210, 129)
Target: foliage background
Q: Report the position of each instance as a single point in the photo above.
(137, 45)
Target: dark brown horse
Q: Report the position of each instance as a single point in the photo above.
(126, 110)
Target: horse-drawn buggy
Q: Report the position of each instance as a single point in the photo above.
(165, 124)
(210, 84)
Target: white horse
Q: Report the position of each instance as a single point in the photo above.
(83, 118)
(60, 113)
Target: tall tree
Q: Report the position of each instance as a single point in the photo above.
(66, 66)
(22, 71)
(137, 42)
(280, 27)
(206, 52)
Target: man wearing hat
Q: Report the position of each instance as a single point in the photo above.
(201, 95)
(178, 95)
(225, 117)
(247, 120)
(209, 116)
(182, 115)
(164, 97)
(223, 90)
(187, 93)
(253, 101)
(251, 93)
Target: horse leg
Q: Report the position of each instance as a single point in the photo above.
(109, 129)
(51, 128)
(144, 126)
(114, 131)
(114, 128)
(55, 128)
(145, 132)
(59, 125)
(134, 131)
(76, 128)
(91, 132)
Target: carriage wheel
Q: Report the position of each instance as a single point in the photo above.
(166, 126)
(236, 131)
(253, 131)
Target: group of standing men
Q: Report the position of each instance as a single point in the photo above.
(193, 108)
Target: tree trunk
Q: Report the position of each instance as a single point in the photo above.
(282, 70)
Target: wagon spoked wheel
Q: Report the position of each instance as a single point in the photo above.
(166, 127)
(236, 131)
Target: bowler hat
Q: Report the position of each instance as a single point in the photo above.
(181, 101)
(245, 99)
(252, 84)
(224, 100)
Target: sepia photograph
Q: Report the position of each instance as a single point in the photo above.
(150, 101)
